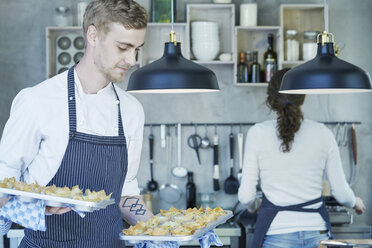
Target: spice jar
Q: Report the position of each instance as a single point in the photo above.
(292, 45)
(309, 47)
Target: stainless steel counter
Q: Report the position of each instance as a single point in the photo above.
(229, 235)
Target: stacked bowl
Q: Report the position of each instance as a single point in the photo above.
(204, 39)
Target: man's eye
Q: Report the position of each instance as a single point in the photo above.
(122, 48)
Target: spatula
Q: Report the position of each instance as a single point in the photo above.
(231, 185)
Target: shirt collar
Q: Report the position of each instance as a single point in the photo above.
(107, 90)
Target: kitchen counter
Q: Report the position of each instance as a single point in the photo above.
(229, 235)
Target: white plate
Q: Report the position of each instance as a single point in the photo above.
(56, 201)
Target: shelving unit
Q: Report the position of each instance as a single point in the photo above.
(255, 39)
(232, 39)
(300, 17)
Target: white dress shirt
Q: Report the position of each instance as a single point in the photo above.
(294, 177)
(35, 137)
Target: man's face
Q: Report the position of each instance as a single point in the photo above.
(116, 51)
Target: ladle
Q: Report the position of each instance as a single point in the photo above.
(152, 185)
(205, 142)
(179, 171)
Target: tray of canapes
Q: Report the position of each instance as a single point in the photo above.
(177, 225)
(54, 196)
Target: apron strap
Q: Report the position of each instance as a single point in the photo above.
(268, 211)
(72, 104)
(71, 101)
(120, 124)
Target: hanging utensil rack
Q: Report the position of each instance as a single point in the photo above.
(242, 123)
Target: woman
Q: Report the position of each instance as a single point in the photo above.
(289, 156)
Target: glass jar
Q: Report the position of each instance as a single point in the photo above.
(292, 45)
(63, 17)
(309, 46)
(162, 11)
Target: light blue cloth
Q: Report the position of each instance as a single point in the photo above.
(27, 214)
(205, 241)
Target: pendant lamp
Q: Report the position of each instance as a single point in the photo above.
(325, 74)
(172, 73)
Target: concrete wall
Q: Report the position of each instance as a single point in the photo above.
(22, 64)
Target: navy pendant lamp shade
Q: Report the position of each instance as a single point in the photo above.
(172, 73)
(325, 74)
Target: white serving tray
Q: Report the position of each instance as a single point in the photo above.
(55, 201)
(200, 232)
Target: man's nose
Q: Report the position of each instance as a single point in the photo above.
(131, 58)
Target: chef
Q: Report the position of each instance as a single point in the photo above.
(79, 128)
(289, 156)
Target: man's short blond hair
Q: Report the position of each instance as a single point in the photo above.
(101, 13)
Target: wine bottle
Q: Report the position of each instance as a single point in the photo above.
(270, 58)
(190, 191)
(243, 70)
(255, 68)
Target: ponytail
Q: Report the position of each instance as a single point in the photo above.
(288, 109)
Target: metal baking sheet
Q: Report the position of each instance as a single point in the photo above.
(56, 201)
(200, 232)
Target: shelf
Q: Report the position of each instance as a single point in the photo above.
(259, 84)
(258, 27)
(214, 62)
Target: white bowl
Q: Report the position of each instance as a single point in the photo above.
(206, 52)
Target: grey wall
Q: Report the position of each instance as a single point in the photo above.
(22, 64)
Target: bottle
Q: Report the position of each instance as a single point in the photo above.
(270, 58)
(255, 68)
(162, 11)
(190, 191)
(309, 47)
(291, 45)
(243, 70)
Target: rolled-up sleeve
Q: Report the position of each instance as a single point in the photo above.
(21, 137)
(130, 187)
(340, 189)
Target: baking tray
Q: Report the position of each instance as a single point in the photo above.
(200, 232)
(56, 201)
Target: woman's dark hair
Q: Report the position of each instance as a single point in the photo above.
(288, 109)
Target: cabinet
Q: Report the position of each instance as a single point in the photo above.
(232, 39)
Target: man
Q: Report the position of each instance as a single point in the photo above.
(78, 128)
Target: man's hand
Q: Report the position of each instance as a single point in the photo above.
(57, 210)
(359, 206)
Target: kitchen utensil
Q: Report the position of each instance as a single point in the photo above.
(194, 142)
(231, 184)
(216, 169)
(205, 140)
(152, 185)
(162, 136)
(169, 192)
(240, 150)
(179, 171)
(354, 168)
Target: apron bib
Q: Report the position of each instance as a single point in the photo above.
(92, 162)
(268, 211)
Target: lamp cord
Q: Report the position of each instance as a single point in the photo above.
(172, 13)
(325, 16)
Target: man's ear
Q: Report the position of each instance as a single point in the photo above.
(92, 35)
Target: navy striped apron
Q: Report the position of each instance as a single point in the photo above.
(92, 162)
(268, 211)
